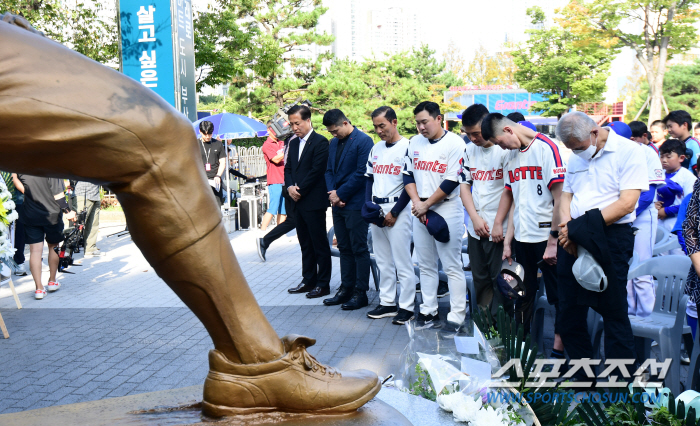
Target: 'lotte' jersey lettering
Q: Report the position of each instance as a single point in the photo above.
(531, 172)
(431, 162)
(385, 164)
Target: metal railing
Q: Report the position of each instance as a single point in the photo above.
(250, 161)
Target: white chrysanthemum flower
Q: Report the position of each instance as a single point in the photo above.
(12, 216)
(9, 205)
(467, 409)
(6, 250)
(488, 416)
(447, 402)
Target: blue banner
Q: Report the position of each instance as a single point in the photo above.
(184, 58)
(147, 45)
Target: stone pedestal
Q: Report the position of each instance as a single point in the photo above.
(182, 407)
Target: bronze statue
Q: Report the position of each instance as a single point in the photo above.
(64, 115)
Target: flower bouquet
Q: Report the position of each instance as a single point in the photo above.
(8, 215)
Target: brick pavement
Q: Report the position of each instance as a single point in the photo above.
(116, 329)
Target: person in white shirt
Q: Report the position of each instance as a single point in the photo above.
(432, 167)
(482, 184)
(604, 178)
(534, 177)
(391, 241)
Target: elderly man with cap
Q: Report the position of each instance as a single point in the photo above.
(603, 181)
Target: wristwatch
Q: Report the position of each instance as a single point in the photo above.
(555, 234)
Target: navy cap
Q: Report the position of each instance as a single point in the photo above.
(667, 193)
(528, 124)
(372, 213)
(437, 227)
(621, 129)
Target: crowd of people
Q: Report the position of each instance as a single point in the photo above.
(518, 199)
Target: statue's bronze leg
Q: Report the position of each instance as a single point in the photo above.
(66, 116)
(63, 115)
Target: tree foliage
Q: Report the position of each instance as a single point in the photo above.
(82, 28)
(487, 70)
(401, 81)
(654, 29)
(258, 46)
(565, 68)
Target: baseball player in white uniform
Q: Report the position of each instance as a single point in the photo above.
(432, 168)
(640, 291)
(392, 242)
(534, 174)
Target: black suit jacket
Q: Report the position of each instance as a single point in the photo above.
(308, 172)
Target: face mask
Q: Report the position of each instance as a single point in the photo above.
(586, 154)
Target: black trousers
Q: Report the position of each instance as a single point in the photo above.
(19, 238)
(288, 225)
(485, 258)
(315, 251)
(351, 232)
(529, 255)
(610, 304)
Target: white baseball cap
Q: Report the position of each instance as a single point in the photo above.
(588, 272)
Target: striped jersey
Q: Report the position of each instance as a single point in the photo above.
(431, 162)
(385, 165)
(530, 173)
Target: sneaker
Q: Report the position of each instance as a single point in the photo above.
(449, 329)
(418, 288)
(443, 289)
(382, 312)
(426, 321)
(262, 248)
(21, 269)
(685, 359)
(53, 286)
(403, 316)
(39, 294)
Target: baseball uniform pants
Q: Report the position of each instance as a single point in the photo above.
(392, 250)
(91, 123)
(428, 250)
(486, 261)
(640, 291)
(529, 255)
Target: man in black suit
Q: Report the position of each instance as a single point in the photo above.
(305, 182)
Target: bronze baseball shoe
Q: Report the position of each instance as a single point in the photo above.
(295, 383)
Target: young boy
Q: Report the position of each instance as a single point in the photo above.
(679, 182)
(482, 185)
(640, 134)
(658, 133)
(679, 126)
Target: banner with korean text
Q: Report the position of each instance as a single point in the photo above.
(157, 45)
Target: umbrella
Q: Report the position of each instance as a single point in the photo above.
(233, 126)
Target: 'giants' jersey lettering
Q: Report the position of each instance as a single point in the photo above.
(525, 172)
(385, 169)
(486, 174)
(430, 166)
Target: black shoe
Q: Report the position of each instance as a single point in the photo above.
(358, 300)
(318, 292)
(382, 312)
(342, 296)
(262, 248)
(450, 329)
(403, 317)
(418, 288)
(427, 321)
(443, 289)
(301, 288)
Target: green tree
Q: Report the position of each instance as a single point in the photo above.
(400, 81)
(654, 29)
(261, 44)
(81, 28)
(563, 67)
(487, 70)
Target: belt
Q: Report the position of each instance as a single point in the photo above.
(378, 200)
(446, 199)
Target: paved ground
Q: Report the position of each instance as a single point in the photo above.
(115, 329)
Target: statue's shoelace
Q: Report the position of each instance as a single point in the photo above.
(310, 363)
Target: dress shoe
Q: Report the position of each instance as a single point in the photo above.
(342, 296)
(301, 288)
(295, 382)
(358, 300)
(318, 292)
(262, 248)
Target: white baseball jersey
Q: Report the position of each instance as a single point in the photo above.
(483, 171)
(385, 164)
(431, 162)
(655, 171)
(530, 174)
(686, 179)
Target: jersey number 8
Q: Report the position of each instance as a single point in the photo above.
(539, 189)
